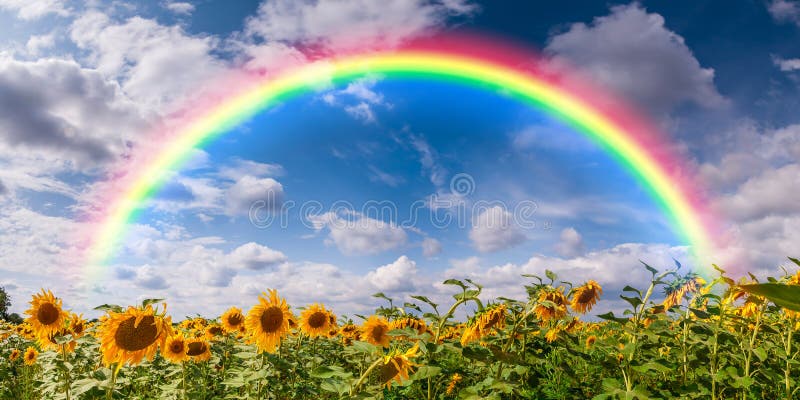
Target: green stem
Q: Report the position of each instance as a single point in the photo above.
(353, 390)
(67, 383)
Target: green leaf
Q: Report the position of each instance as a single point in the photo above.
(700, 313)
(425, 300)
(632, 289)
(147, 302)
(380, 295)
(609, 316)
(455, 282)
(109, 307)
(476, 353)
(325, 371)
(787, 296)
(550, 275)
(425, 372)
(796, 261)
(633, 301)
(649, 268)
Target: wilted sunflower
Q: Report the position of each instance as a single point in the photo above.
(586, 296)
(316, 320)
(45, 315)
(484, 322)
(268, 321)
(590, 341)
(14, 355)
(397, 364)
(130, 336)
(232, 320)
(175, 349)
(411, 322)
(375, 330)
(198, 350)
(552, 304)
(30, 356)
(678, 288)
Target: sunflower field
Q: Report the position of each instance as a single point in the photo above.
(709, 338)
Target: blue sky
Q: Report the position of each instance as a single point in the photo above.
(81, 83)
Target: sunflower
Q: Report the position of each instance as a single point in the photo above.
(484, 322)
(175, 348)
(198, 349)
(130, 336)
(268, 321)
(14, 355)
(213, 332)
(45, 314)
(552, 335)
(396, 365)
(552, 305)
(454, 380)
(77, 325)
(30, 356)
(409, 322)
(678, 288)
(232, 320)
(375, 331)
(349, 332)
(316, 320)
(51, 341)
(590, 341)
(586, 296)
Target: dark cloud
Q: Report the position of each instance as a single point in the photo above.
(631, 51)
(57, 107)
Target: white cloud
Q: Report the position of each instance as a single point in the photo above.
(398, 276)
(37, 43)
(249, 191)
(787, 65)
(375, 24)
(256, 257)
(785, 11)
(495, 229)
(358, 234)
(377, 175)
(571, 243)
(29, 10)
(149, 59)
(632, 51)
(179, 7)
(362, 112)
(431, 247)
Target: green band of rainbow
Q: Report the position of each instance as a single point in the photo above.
(671, 193)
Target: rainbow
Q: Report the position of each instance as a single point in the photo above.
(633, 142)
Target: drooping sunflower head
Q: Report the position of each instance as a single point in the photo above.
(317, 321)
(397, 365)
(130, 336)
(484, 323)
(552, 304)
(77, 325)
(375, 330)
(30, 356)
(586, 296)
(232, 319)
(409, 322)
(14, 355)
(175, 349)
(198, 349)
(590, 341)
(214, 332)
(268, 321)
(45, 315)
(677, 289)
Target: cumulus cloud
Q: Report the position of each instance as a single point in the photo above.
(377, 24)
(785, 11)
(395, 277)
(256, 257)
(30, 10)
(631, 51)
(148, 59)
(37, 43)
(249, 191)
(61, 110)
(3, 189)
(570, 244)
(787, 65)
(431, 247)
(495, 229)
(353, 233)
(179, 7)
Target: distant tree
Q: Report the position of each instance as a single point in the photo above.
(5, 303)
(14, 318)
